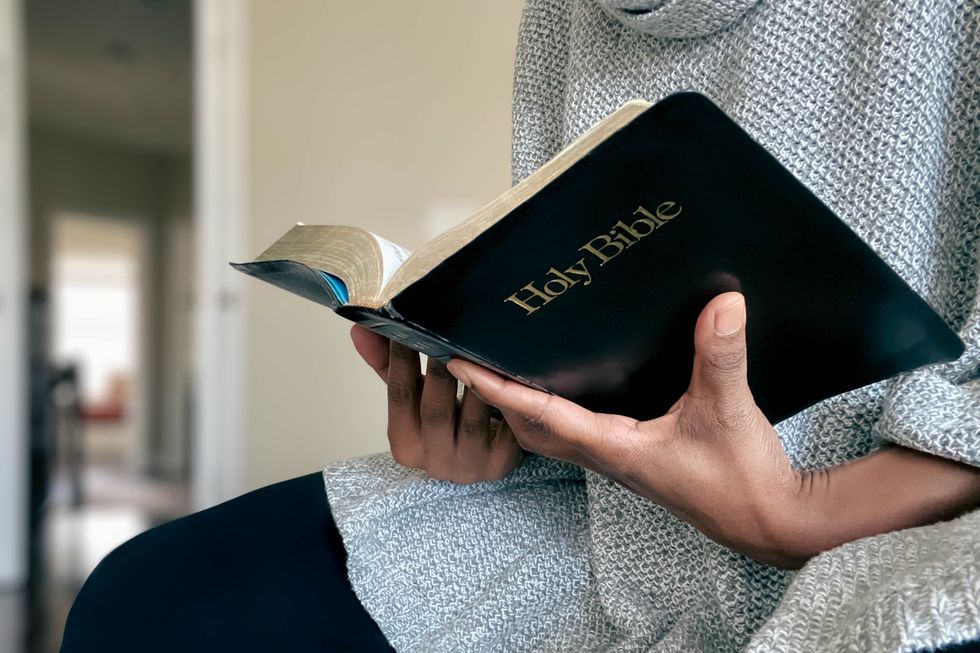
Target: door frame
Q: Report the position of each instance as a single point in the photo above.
(220, 198)
(13, 302)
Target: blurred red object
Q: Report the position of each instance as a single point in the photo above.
(113, 407)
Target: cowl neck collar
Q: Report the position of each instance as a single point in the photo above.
(677, 18)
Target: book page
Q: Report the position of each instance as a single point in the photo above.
(392, 257)
(355, 257)
(373, 270)
(448, 242)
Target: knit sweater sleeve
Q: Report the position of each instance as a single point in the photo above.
(937, 409)
(540, 83)
(499, 565)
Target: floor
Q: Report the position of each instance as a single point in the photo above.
(118, 504)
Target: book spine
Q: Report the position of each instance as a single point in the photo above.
(401, 332)
(393, 326)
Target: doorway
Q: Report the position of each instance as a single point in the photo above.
(109, 140)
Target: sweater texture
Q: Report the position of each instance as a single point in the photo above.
(875, 106)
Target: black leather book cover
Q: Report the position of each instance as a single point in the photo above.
(591, 288)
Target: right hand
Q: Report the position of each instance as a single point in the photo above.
(428, 428)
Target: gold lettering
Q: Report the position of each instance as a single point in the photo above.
(623, 238)
(667, 206)
(599, 251)
(651, 220)
(625, 227)
(523, 303)
(563, 277)
(579, 269)
(604, 247)
(561, 284)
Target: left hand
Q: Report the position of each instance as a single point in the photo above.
(428, 428)
(713, 460)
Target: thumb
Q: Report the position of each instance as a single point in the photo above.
(720, 372)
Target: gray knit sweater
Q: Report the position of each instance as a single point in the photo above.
(873, 104)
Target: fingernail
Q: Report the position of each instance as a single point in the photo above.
(460, 375)
(730, 317)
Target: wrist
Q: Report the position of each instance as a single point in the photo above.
(788, 520)
(807, 528)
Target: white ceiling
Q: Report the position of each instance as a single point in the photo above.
(118, 70)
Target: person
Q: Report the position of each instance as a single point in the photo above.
(850, 526)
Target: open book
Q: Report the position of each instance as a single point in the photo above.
(586, 278)
(368, 270)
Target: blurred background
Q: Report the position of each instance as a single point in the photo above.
(143, 145)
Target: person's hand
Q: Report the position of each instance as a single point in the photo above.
(427, 427)
(713, 459)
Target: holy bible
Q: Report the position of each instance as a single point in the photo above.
(586, 278)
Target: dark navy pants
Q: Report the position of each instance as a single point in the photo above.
(263, 572)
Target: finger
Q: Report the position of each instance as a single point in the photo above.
(720, 371)
(502, 436)
(437, 413)
(404, 389)
(541, 422)
(473, 433)
(473, 436)
(373, 348)
(505, 452)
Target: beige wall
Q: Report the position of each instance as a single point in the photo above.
(393, 116)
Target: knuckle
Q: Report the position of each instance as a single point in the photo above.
(471, 427)
(533, 426)
(727, 361)
(439, 370)
(597, 442)
(401, 394)
(501, 436)
(435, 412)
(535, 423)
